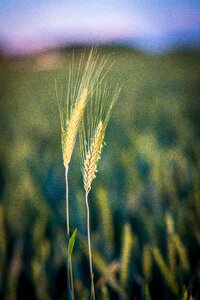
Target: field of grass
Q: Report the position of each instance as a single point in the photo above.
(145, 202)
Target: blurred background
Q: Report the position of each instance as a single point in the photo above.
(145, 202)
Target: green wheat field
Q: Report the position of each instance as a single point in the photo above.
(144, 203)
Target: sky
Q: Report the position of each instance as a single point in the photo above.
(31, 25)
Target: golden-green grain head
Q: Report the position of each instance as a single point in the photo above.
(93, 130)
(92, 157)
(84, 76)
(126, 255)
(73, 126)
(104, 209)
(181, 252)
(175, 245)
(187, 295)
(165, 270)
(147, 262)
(171, 252)
(170, 223)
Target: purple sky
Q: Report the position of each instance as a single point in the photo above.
(31, 25)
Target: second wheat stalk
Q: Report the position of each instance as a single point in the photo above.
(91, 142)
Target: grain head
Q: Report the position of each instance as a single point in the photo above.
(73, 126)
(93, 131)
(83, 78)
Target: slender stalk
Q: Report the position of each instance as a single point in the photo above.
(68, 230)
(67, 200)
(71, 277)
(89, 246)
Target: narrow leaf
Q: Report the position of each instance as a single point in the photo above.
(71, 243)
(69, 291)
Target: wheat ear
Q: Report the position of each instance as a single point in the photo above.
(92, 157)
(73, 126)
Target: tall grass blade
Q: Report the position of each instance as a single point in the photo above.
(127, 247)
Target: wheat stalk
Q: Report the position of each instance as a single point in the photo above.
(81, 84)
(93, 129)
(91, 142)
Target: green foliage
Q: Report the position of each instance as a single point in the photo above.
(149, 178)
(71, 243)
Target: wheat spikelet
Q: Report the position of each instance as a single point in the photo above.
(175, 244)
(147, 263)
(92, 157)
(168, 275)
(73, 126)
(104, 209)
(181, 252)
(93, 130)
(170, 224)
(171, 252)
(126, 255)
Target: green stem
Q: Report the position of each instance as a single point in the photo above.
(68, 229)
(89, 246)
(67, 200)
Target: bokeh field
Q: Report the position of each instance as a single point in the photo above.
(145, 202)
